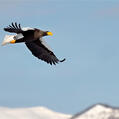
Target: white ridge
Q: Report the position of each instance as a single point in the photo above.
(99, 112)
(31, 113)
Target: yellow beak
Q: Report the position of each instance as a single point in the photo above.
(49, 33)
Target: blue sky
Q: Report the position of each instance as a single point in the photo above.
(85, 33)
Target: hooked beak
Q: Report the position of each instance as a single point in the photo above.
(49, 33)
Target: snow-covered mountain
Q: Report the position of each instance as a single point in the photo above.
(31, 113)
(99, 111)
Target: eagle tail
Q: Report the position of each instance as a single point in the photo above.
(7, 39)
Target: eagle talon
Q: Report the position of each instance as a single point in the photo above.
(13, 41)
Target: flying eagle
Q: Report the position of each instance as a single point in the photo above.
(32, 37)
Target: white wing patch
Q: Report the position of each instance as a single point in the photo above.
(45, 44)
(27, 28)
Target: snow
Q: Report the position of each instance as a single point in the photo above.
(31, 113)
(99, 112)
(95, 112)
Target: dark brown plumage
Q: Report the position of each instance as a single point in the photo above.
(33, 40)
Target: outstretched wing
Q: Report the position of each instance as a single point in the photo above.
(42, 52)
(14, 28)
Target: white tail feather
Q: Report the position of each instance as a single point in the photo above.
(7, 39)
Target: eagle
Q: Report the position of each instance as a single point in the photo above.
(33, 38)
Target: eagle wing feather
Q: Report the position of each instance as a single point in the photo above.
(14, 28)
(42, 52)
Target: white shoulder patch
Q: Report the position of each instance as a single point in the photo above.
(45, 44)
(27, 28)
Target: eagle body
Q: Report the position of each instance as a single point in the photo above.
(32, 37)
